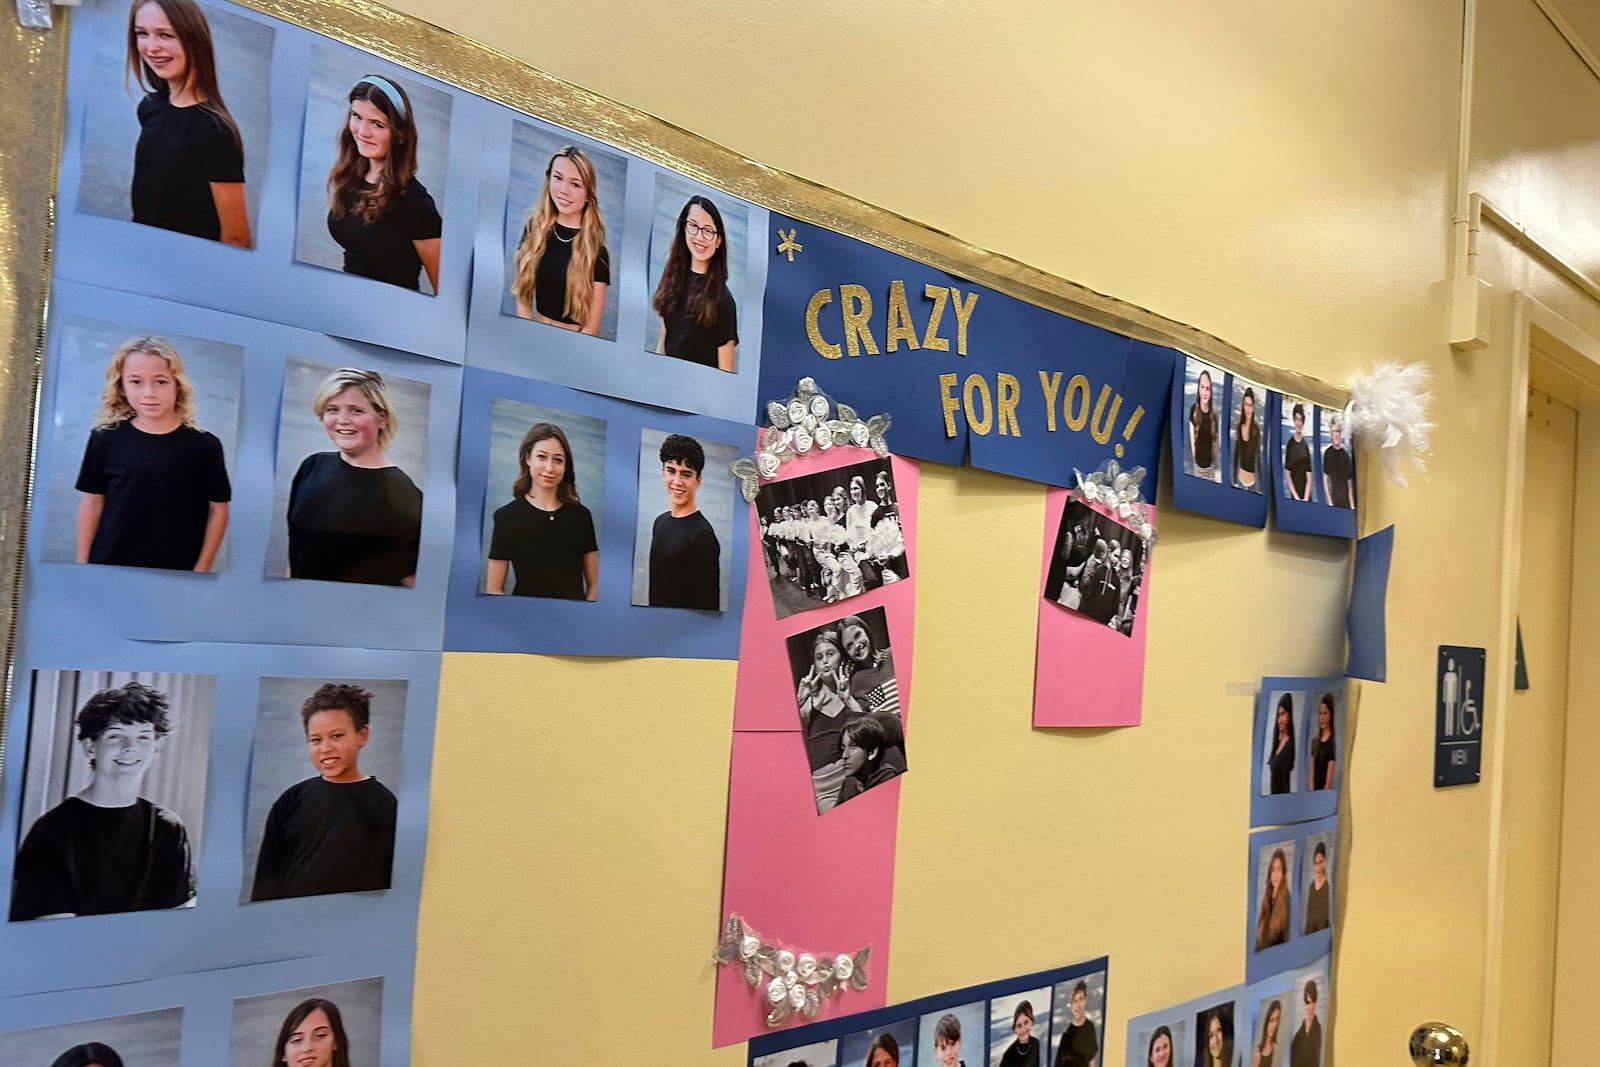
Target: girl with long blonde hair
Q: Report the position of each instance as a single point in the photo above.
(155, 485)
(562, 269)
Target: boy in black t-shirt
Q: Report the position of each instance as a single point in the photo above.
(333, 833)
(106, 849)
(1337, 468)
(685, 556)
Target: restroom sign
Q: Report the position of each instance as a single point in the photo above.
(1458, 716)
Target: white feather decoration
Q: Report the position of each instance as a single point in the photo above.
(1388, 412)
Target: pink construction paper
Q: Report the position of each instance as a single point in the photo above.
(780, 853)
(1085, 673)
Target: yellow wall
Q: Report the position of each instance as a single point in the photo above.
(1280, 175)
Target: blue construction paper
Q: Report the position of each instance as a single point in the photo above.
(1015, 354)
(1216, 496)
(611, 625)
(265, 281)
(1314, 516)
(242, 603)
(208, 1002)
(969, 1005)
(1183, 1022)
(1369, 596)
(219, 931)
(1302, 802)
(627, 365)
(1287, 989)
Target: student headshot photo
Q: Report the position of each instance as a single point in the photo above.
(1269, 1038)
(332, 832)
(1017, 1036)
(940, 1037)
(1338, 465)
(176, 130)
(884, 1046)
(152, 486)
(1203, 426)
(1277, 773)
(1076, 1021)
(1305, 1048)
(145, 1039)
(1159, 1048)
(1247, 426)
(352, 513)
(1214, 1036)
(118, 763)
(1316, 882)
(544, 541)
(1296, 451)
(374, 144)
(560, 270)
(1274, 866)
(696, 262)
(820, 1054)
(336, 1025)
(1322, 766)
(685, 520)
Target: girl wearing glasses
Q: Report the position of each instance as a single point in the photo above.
(562, 267)
(353, 515)
(699, 321)
(188, 167)
(379, 213)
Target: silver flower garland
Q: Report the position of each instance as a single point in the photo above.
(792, 982)
(807, 420)
(1118, 490)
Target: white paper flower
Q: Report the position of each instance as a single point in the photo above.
(802, 442)
(843, 967)
(1146, 531)
(791, 979)
(777, 991)
(768, 463)
(784, 960)
(1120, 482)
(859, 435)
(797, 997)
(797, 410)
(805, 965)
(1091, 492)
(824, 440)
(819, 406)
(748, 947)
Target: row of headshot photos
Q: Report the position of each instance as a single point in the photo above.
(192, 814)
(159, 415)
(336, 1023)
(293, 179)
(1276, 1022)
(1290, 916)
(1060, 1025)
(1297, 768)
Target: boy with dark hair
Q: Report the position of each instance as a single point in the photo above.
(1317, 917)
(1306, 1048)
(685, 556)
(333, 833)
(947, 1041)
(107, 849)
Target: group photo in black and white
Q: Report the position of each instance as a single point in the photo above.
(830, 536)
(1097, 567)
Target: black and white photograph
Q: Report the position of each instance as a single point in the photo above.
(831, 535)
(1338, 462)
(1203, 429)
(820, 1054)
(542, 509)
(372, 171)
(1097, 568)
(1316, 880)
(144, 433)
(1078, 1022)
(564, 226)
(1274, 893)
(321, 1025)
(683, 539)
(849, 703)
(1298, 432)
(697, 273)
(1247, 428)
(146, 1039)
(113, 793)
(1019, 1029)
(324, 775)
(1213, 1036)
(352, 455)
(181, 145)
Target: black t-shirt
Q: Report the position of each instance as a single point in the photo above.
(550, 277)
(1297, 461)
(327, 837)
(158, 491)
(545, 548)
(181, 151)
(83, 859)
(685, 563)
(384, 248)
(1245, 450)
(688, 339)
(353, 524)
(1014, 1056)
(1078, 1046)
(1205, 436)
(1323, 754)
(1337, 466)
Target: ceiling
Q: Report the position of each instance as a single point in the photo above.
(1582, 18)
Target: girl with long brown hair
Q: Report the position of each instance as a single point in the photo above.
(1272, 920)
(562, 268)
(545, 534)
(699, 319)
(188, 167)
(378, 211)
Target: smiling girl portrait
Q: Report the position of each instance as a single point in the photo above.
(562, 267)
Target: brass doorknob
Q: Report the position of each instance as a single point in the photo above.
(1438, 1043)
